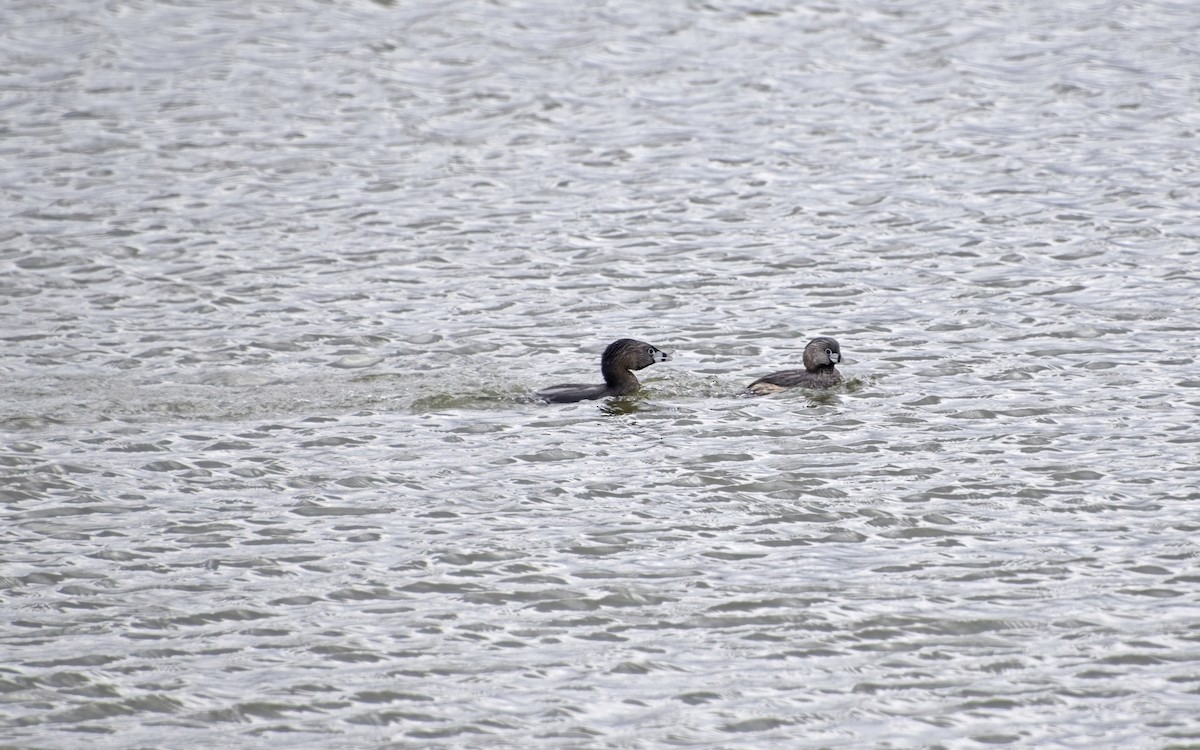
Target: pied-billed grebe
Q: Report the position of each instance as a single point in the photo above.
(820, 356)
(620, 358)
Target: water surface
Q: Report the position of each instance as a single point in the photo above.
(277, 280)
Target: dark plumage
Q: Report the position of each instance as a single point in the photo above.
(820, 356)
(620, 359)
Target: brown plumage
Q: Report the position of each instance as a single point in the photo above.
(820, 357)
(620, 359)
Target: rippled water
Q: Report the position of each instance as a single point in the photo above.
(277, 279)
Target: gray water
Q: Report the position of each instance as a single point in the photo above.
(276, 280)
